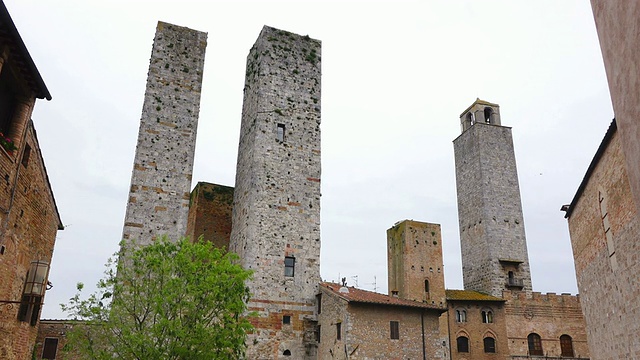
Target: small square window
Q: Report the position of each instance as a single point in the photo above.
(286, 319)
(395, 330)
(280, 132)
(289, 266)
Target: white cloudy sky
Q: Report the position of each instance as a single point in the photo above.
(396, 76)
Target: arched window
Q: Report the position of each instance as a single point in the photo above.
(426, 285)
(286, 353)
(535, 344)
(566, 346)
(489, 345)
(487, 316)
(463, 344)
(461, 315)
(470, 119)
(487, 115)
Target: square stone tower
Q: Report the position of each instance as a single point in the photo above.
(276, 210)
(161, 179)
(492, 236)
(415, 266)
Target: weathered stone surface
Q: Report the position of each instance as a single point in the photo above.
(489, 206)
(163, 164)
(276, 211)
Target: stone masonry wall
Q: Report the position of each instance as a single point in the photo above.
(29, 225)
(608, 274)
(489, 209)
(365, 331)
(276, 211)
(210, 211)
(414, 256)
(161, 178)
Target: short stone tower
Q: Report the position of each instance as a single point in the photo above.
(276, 211)
(492, 236)
(416, 270)
(161, 180)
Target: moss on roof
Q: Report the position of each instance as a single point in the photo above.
(453, 295)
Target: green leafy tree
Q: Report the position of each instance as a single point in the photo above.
(165, 300)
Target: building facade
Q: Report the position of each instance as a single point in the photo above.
(29, 218)
(210, 212)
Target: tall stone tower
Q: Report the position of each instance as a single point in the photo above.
(276, 211)
(492, 237)
(416, 269)
(161, 180)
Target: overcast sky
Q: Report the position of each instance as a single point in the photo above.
(395, 77)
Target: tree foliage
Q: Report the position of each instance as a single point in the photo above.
(166, 300)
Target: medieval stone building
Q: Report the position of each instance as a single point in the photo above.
(29, 218)
(604, 215)
(271, 219)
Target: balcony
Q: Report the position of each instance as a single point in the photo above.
(513, 282)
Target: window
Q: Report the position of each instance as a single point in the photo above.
(50, 348)
(426, 285)
(395, 330)
(489, 345)
(338, 331)
(286, 319)
(287, 352)
(318, 328)
(487, 316)
(461, 315)
(566, 346)
(487, 115)
(25, 155)
(8, 99)
(535, 344)
(463, 344)
(280, 132)
(319, 303)
(289, 265)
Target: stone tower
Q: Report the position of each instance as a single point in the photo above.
(276, 211)
(415, 263)
(492, 237)
(161, 180)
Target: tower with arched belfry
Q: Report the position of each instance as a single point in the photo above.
(492, 236)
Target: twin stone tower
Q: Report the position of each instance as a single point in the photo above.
(276, 205)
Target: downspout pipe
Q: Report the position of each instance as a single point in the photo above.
(424, 351)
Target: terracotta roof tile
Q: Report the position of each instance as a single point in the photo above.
(363, 296)
(453, 295)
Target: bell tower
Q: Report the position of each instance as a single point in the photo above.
(492, 235)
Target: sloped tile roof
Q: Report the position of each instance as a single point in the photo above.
(453, 295)
(363, 296)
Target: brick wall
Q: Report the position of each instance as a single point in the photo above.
(476, 330)
(29, 225)
(414, 256)
(210, 211)
(608, 271)
(548, 315)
